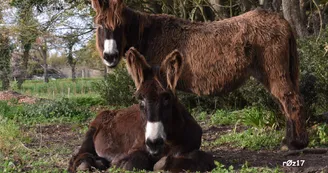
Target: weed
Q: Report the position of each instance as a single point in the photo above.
(252, 138)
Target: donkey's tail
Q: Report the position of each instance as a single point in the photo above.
(294, 62)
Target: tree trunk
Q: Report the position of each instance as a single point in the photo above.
(4, 57)
(276, 4)
(24, 68)
(291, 10)
(4, 60)
(73, 72)
(43, 52)
(71, 60)
(303, 10)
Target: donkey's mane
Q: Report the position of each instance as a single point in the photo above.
(108, 14)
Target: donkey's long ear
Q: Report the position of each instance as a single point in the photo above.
(136, 65)
(172, 66)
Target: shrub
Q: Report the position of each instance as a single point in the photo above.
(117, 88)
(52, 110)
(313, 56)
(318, 135)
(260, 118)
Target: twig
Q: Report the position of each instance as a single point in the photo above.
(316, 5)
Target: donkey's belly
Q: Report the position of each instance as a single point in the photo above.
(107, 147)
(203, 86)
(111, 146)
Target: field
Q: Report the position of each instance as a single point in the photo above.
(41, 137)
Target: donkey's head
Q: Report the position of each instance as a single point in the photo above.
(109, 39)
(156, 93)
(118, 29)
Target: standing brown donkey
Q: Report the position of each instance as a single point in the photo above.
(220, 56)
(138, 136)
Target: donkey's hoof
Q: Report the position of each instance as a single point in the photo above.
(84, 166)
(160, 164)
(102, 164)
(297, 144)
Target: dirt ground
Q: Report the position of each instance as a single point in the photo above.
(271, 158)
(20, 98)
(69, 136)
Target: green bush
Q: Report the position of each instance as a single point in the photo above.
(64, 108)
(260, 118)
(318, 135)
(45, 111)
(117, 88)
(313, 55)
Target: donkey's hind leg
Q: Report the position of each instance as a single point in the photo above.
(140, 160)
(86, 157)
(194, 161)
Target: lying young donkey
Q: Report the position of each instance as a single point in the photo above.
(158, 128)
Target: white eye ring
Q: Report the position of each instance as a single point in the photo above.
(142, 103)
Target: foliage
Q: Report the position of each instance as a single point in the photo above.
(62, 110)
(220, 168)
(10, 135)
(253, 139)
(318, 135)
(117, 88)
(59, 109)
(223, 117)
(58, 88)
(57, 61)
(5, 50)
(89, 56)
(256, 117)
(313, 55)
(260, 118)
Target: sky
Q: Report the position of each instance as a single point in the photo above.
(79, 20)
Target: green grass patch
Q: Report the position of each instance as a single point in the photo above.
(10, 136)
(319, 135)
(64, 110)
(58, 88)
(220, 168)
(253, 139)
(251, 116)
(223, 117)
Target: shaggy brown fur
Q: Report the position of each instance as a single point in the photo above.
(118, 137)
(219, 55)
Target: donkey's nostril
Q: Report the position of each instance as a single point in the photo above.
(111, 60)
(110, 57)
(155, 144)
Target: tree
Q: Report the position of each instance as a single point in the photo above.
(27, 29)
(71, 40)
(4, 56)
(42, 48)
(292, 14)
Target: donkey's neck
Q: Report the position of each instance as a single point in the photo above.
(135, 24)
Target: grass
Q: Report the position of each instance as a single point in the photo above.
(251, 116)
(253, 139)
(58, 88)
(220, 168)
(24, 148)
(64, 110)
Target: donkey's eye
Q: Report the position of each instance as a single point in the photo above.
(166, 99)
(142, 104)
